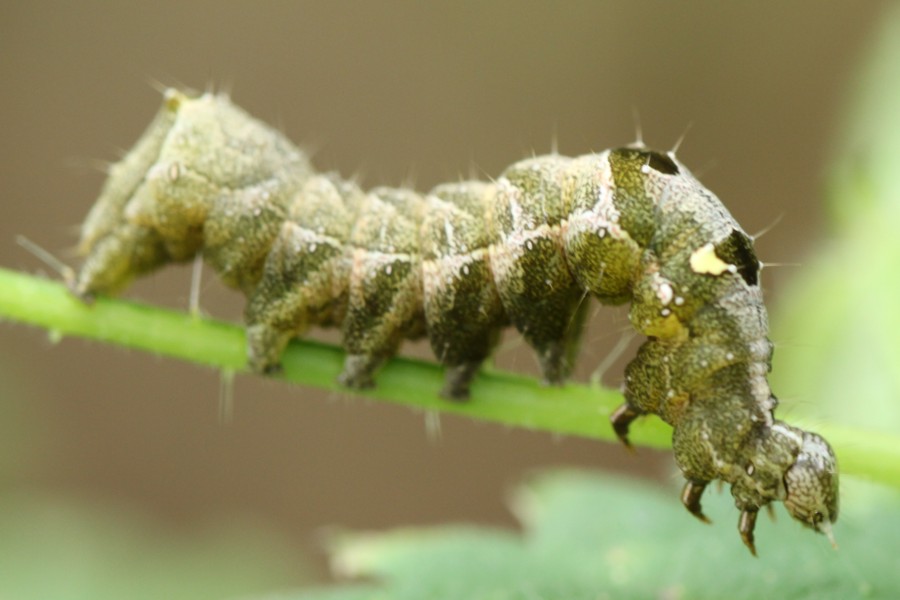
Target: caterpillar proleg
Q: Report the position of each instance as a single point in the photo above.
(467, 259)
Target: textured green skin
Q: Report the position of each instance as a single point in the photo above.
(468, 259)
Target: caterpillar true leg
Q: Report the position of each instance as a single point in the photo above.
(746, 525)
(690, 497)
(622, 419)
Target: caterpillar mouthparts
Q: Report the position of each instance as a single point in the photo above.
(466, 260)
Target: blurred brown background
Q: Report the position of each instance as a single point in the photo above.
(400, 92)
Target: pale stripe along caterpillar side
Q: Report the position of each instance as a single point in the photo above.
(467, 259)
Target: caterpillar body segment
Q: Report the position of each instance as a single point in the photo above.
(466, 260)
(463, 309)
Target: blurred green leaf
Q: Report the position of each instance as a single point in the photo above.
(864, 178)
(62, 548)
(838, 326)
(589, 536)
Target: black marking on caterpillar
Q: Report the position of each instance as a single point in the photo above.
(467, 259)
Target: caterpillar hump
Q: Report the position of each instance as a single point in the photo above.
(466, 260)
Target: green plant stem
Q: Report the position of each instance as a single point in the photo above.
(496, 396)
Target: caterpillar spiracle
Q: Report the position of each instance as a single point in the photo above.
(464, 261)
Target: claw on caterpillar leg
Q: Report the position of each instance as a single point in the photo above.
(621, 419)
(553, 365)
(358, 372)
(690, 497)
(81, 286)
(85, 297)
(273, 369)
(264, 348)
(745, 526)
(456, 381)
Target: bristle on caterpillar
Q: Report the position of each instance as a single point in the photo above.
(467, 259)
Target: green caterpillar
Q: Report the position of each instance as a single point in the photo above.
(468, 259)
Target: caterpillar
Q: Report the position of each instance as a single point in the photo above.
(468, 259)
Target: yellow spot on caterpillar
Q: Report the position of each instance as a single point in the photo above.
(704, 260)
(667, 327)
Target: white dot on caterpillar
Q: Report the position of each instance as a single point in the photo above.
(529, 244)
(704, 363)
(729, 356)
(665, 293)
(670, 394)
(679, 300)
(449, 232)
(665, 312)
(312, 247)
(465, 269)
(389, 269)
(174, 172)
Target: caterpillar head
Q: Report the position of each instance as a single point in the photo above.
(811, 485)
